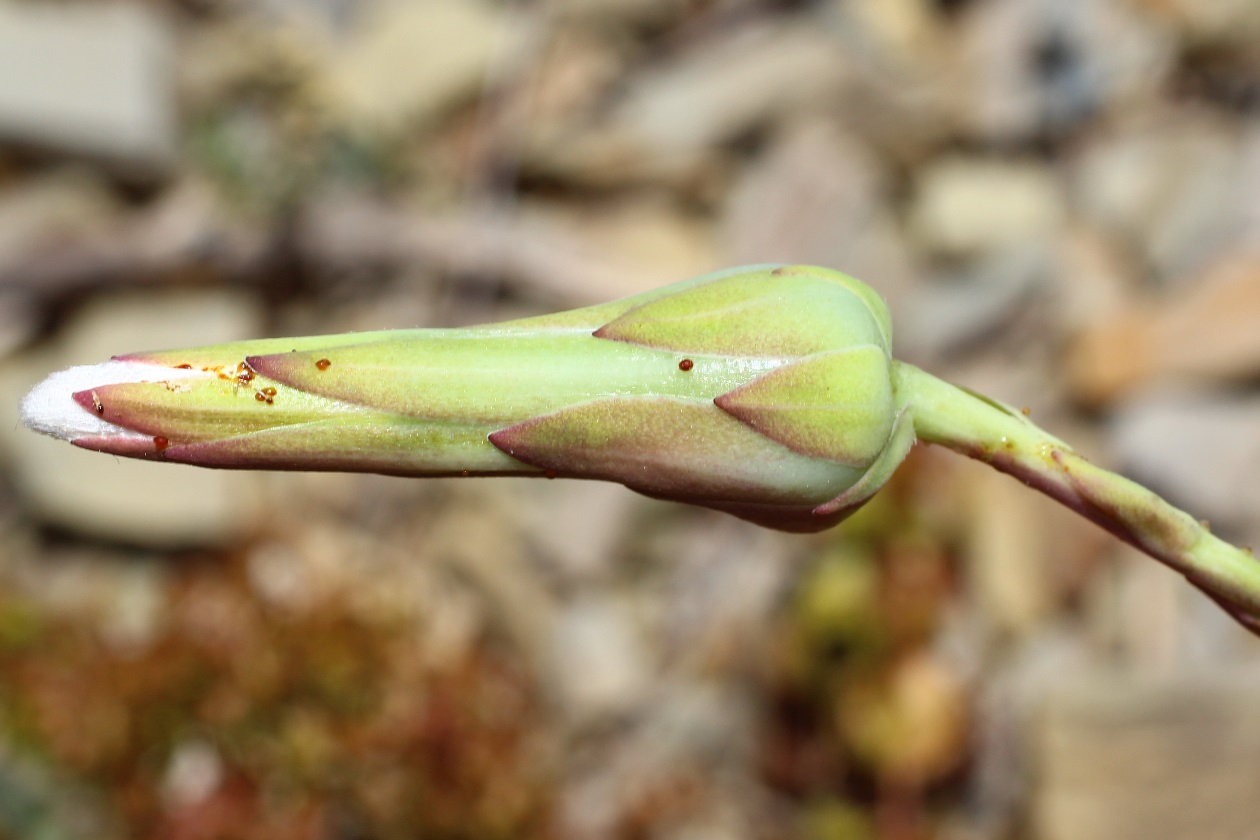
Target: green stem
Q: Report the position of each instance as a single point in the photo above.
(980, 428)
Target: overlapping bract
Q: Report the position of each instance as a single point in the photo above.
(764, 392)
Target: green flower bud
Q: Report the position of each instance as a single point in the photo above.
(765, 392)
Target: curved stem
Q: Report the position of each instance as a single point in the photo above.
(1006, 440)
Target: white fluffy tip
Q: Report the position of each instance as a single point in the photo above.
(50, 407)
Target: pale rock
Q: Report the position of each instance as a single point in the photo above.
(1007, 555)
(133, 608)
(649, 238)
(19, 320)
(903, 30)
(190, 230)
(819, 196)
(965, 206)
(910, 86)
(577, 527)
(1199, 450)
(681, 728)
(1231, 22)
(599, 663)
(676, 111)
(271, 44)
(1147, 620)
(1204, 331)
(1097, 279)
(1043, 66)
(723, 582)
(91, 79)
(283, 577)
(705, 721)
(719, 89)
(331, 15)
(1008, 704)
(1242, 212)
(572, 76)
(1156, 623)
(622, 11)
(121, 499)
(1175, 185)
(959, 308)
(406, 62)
(1124, 757)
(548, 250)
(477, 545)
(40, 213)
(193, 773)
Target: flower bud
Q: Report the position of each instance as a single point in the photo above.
(764, 392)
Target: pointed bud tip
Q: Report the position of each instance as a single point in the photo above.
(63, 406)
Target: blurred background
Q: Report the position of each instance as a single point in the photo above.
(1060, 200)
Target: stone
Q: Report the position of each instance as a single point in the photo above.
(477, 545)
(63, 237)
(1202, 332)
(651, 239)
(594, 516)
(1241, 213)
(1157, 624)
(734, 82)
(42, 212)
(549, 251)
(903, 31)
(1096, 280)
(819, 196)
(1228, 22)
(1124, 757)
(192, 775)
(723, 581)
(131, 501)
(1007, 555)
(572, 77)
(404, 63)
(1199, 450)
(132, 606)
(1175, 185)
(89, 79)
(694, 736)
(676, 111)
(1039, 67)
(953, 310)
(638, 12)
(1008, 705)
(599, 663)
(19, 320)
(908, 84)
(965, 206)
